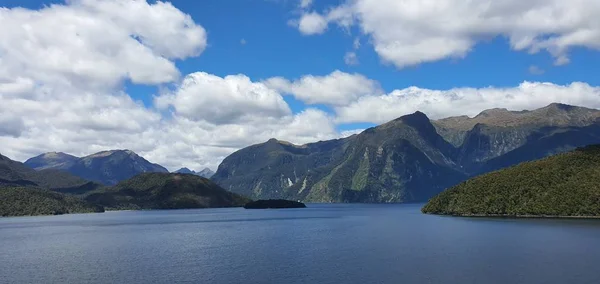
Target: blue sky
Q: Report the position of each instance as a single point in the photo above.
(262, 39)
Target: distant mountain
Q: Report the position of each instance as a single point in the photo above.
(496, 132)
(408, 159)
(51, 160)
(206, 172)
(31, 201)
(165, 191)
(562, 185)
(17, 174)
(25, 191)
(106, 167)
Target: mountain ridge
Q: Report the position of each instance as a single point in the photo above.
(410, 158)
(106, 167)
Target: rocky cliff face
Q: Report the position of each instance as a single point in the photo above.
(403, 160)
(496, 132)
(408, 159)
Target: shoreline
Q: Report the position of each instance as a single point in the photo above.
(506, 216)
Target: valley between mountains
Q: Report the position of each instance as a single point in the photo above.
(409, 159)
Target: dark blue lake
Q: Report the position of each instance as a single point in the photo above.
(321, 244)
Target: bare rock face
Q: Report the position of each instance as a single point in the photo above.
(407, 159)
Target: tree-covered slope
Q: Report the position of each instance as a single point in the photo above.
(566, 184)
(30, 201)
(165, 191)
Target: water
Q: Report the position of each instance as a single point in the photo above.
(320, 244)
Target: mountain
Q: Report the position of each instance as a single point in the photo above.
(25, 191)
(206, 172)
(496, 132)
(401, 161)
(51, 160)
(408, 159)
(165, 191)
(17, 174)
(31, 201)
(106, 167)
(566, 184)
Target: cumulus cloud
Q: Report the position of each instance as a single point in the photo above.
(101, 43)
(202, 96)
(412, 32)
(337, 88)
(312, 23)
(465, 101)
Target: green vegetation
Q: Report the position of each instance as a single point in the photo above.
(29, 201)
(409, 159)
(566, 184)
(165, 191)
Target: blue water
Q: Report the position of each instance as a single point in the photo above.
(320, 244)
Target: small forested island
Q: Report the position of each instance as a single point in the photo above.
(274, 204)
(30, 201)
(564, 185)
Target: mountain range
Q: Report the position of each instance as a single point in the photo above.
(26, 191)
(409, 159)
(206, 172)
(106, 167)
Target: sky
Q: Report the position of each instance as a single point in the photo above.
(186, 83)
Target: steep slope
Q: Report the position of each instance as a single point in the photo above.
(206, 172)
(106, 167)
(566, 184)
(404, 160)
(16, 173)
(51, 160)
(401, 161)
(407, 159)
(265, 171)
(496, 132)
(165, 191)
(31, 201)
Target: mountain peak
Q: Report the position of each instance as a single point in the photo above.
(559, 106)
(415, 119)
(206, 172)
(493, 111)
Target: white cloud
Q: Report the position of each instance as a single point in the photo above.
(202, 96)
(99, 43)
(243, 42)
(350, 58)
(305, 3)
(337, 88)
(356, 43)
(465, 101)
(312, 23)
(412, 32)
